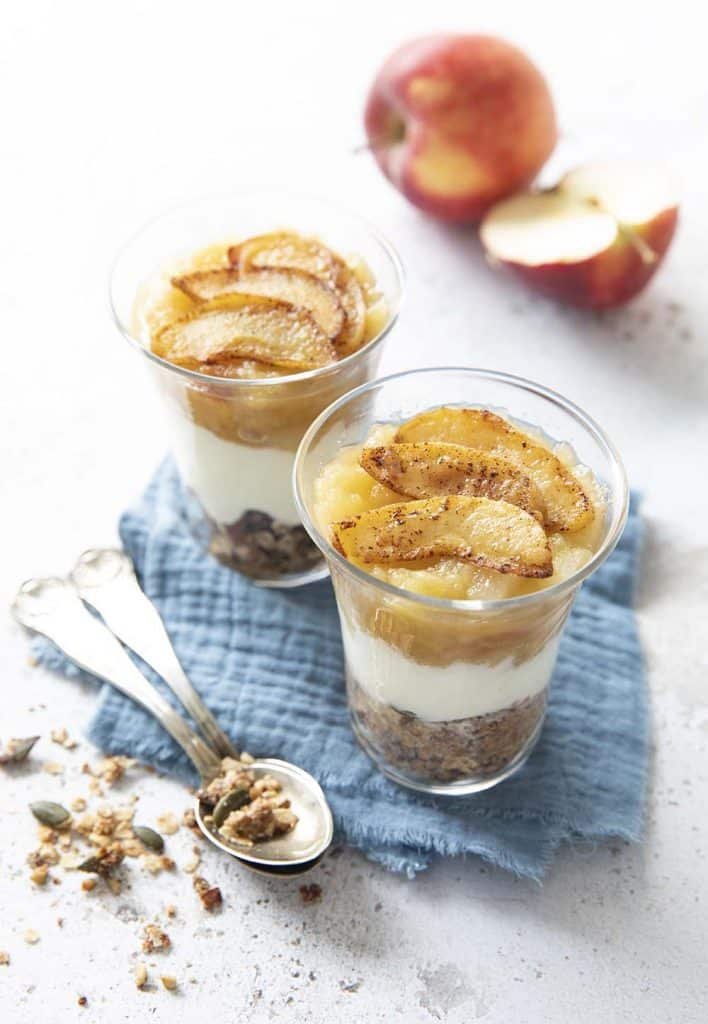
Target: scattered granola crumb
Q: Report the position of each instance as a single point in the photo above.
(60, 922)
(155, 940)
(141, 975)
(210, 895)
(194, 861)
(40, 875)
(310, 893)
(169, 981)
(4, 958)
(111, 769)
(61, 736)
(53, 768)
(157, 862)
(78, 804)
(82, 1001)
(88, 884)
(171, 910)
(167, 824)
(31, 936)
(246, 757)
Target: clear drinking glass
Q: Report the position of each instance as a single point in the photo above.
(234, 440)
(450, 696)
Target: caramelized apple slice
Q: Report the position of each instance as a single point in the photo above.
(285, 250)
(491, 534)
(427, 469)
(352, 332)
(294, 286)
(245, 327)
(568, 507)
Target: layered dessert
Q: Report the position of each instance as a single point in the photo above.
(265, 311)
(457, 505)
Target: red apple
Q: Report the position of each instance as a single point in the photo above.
(594, 240)
(457, 122)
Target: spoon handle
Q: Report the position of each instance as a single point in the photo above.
(105, 578)
(53, 608)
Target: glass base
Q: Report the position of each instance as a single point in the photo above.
(463, 787)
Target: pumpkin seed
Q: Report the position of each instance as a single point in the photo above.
(49, 813)
(92, 864)
(148, 837)
(17, 750)
(229, 802)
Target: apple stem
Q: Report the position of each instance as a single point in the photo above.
(645, 251)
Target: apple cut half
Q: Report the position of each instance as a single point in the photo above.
(567, 506)
(245, 327)
(430, 469)
(490, 534)
(595, 240)
(294, 286)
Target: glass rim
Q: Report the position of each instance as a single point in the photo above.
(573, 581)
(236, 384)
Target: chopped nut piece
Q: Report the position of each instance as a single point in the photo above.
(194, 861)
(59, 736)
(155, 940)
(4, 958)
(167, 824)
(46, 834)
(157, 862)
(210, 895)
(310, 893)
(111, 769)
(169, 981)
(40, 874)
(31, 936)
(141, 975)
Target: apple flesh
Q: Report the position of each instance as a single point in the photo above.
(594, 240)
(457, 122)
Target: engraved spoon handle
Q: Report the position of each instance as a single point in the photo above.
(53, 608)
(105, 579)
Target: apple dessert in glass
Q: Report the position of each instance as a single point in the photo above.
(254, 313)
(459, 512)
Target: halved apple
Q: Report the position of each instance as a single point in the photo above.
(245, 327)
(594, 240)
(567, 506)
(428, 469)
(295, 286)
(491, 534)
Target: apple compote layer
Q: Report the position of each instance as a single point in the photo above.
(441, 693)
(265, 309)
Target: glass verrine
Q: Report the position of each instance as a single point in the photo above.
(449, 696)
(234, 439)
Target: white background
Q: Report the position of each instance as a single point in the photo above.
(114, 112)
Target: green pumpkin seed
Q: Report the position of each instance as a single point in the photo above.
(230, 802)
(91, 864)
(17, 750)
(148, 837)
(49, 813)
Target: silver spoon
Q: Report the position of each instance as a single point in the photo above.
(105, 579)
(53, 608)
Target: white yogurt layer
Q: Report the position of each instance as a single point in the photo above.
(229, 478)
(443, 693)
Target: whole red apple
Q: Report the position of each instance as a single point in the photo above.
(457, 122)
(595, 240)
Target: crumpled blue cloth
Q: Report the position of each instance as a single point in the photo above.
(269, 664)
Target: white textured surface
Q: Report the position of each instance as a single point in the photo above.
(112, 113)
(436, 693)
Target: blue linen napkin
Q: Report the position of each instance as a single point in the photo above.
(269, 664)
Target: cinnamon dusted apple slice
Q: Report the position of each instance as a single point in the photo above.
(568, 507)
(245, 327)
(426, 469)
(289, 285)
(491, 534)
(285, 249)
(352, 332)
